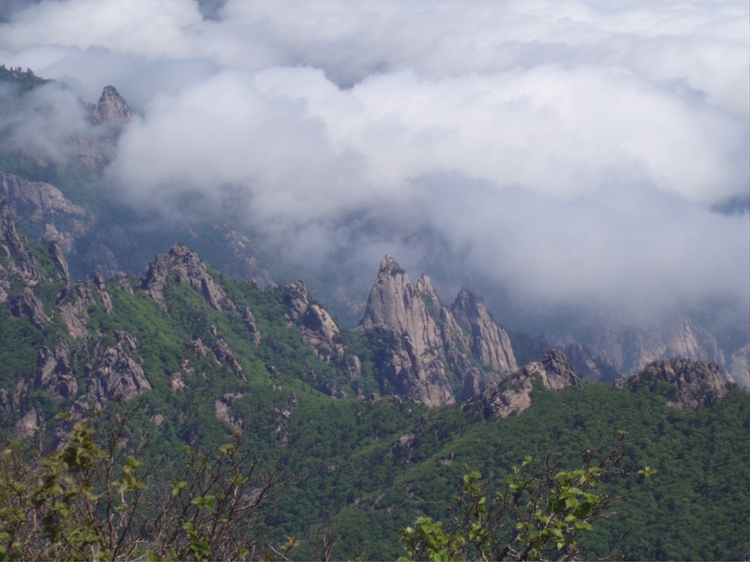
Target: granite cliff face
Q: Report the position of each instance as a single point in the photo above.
(512, 395)
(676, 336)
(321, 333)
(397, 312)
(45, 199)
(111, 108)
(187, 267)
(112, 374)
(432, 344)
(691, 384)
(16, 262)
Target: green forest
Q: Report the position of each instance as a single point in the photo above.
(342, 456)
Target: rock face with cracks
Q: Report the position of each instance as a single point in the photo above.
(189, 268)
(397, 313)
(437, 354)
(318, 329)
(691, 384)
(512, 395)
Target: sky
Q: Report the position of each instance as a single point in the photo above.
(584, 154)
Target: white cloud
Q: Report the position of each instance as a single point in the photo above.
(571, 151)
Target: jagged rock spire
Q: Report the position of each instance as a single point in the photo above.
(111, 108)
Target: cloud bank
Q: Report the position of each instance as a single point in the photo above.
(573, 153)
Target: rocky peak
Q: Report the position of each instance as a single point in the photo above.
(512, 395)
(111, 108)
(487, 340)
(397, 304)
(427, 290)
(318, 329)
(691, 384)
(296, 300)
(188, 268)
(556, 372)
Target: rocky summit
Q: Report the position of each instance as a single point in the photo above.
(690, 384)
(512, 395)
(111, 107)
(439, 354)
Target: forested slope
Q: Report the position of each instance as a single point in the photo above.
(198, 356)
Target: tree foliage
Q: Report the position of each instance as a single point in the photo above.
(91, 501)
(542, 513)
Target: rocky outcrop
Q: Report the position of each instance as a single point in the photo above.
(223, 411)
(27, 305)
(407, 374)
(154, 279)
(397, 304)
(487, 341)
(74, 306)
(112, 374)
(188, 268)
(16, 262)
(111, 108)
(121, 377)
(54, 374)
(252, 327)
(44, 198)
(430, 337)
(296, 301)
(225, 356)
(318, 329)
(397, 317)
(739, 366)
(690, 384)
(512, 395)
(28, 425)
(60, 261)
(197, 346)
(404, 447)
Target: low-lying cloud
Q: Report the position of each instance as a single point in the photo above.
(569, 152)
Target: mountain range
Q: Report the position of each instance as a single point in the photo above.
(375, 419)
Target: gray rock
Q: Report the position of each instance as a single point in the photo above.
(111, 374)
(28, 425)
(45, 198)
(296, 301)
(188, 268)
(225, 356)
(27, 305)
(54, 374)
(252, 327)
(74, 306)
(15, 261)
(223, 411)
(197, 346)
(111, 108)
(512, 395)
(487, 340)
(691, 384)
(397, 312)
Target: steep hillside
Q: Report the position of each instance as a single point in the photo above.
(201, 356)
